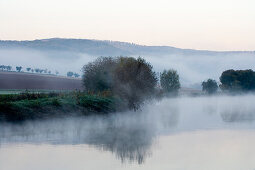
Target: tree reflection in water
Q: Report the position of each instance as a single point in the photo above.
(128, 135)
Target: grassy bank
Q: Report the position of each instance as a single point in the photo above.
(29, 106)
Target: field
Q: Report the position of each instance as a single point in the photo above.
(13, 82)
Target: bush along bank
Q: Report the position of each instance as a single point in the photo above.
(31, 106)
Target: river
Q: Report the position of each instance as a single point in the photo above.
(193, 133)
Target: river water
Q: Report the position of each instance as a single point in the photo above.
(193, 133)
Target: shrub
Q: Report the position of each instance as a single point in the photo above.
(56, 102)
(210, 86)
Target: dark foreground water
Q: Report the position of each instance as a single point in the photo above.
(212, 133)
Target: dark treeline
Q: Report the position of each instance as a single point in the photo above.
(232, 81)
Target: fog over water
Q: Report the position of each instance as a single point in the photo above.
(160, 128)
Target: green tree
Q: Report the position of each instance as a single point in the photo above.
(76, 75)
(132, 80)
(210, 86)
(98, 75)
(19, 68)
(28, 69)
(169, 81)
(238, 80)
(69, 74)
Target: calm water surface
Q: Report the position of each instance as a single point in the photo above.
(174, 134)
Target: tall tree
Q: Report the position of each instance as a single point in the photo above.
(169, 81)
(132, 80)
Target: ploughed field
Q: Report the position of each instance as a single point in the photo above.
(15, 80)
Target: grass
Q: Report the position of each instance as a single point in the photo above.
(25, 106)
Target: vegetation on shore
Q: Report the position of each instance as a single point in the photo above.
(30, 106)
(110, 85)
(232, 82)
(131, 80)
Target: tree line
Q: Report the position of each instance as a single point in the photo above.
(134, 81)
(232, 81)
(36, 70)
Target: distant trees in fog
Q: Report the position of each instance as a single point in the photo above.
(76, 75)
(32, 70)
(232, 81)
(169, 81)
(71, 74)
(237, 80)
(18, 68)
(5, 68)
(210, 86)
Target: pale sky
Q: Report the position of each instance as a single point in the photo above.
(197, 24)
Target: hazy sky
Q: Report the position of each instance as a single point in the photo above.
(200, 24)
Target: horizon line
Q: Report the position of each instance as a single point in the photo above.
(133, 44)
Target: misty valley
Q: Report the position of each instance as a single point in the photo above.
(158, 106)
(175, 133)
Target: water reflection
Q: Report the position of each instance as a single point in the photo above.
(130, 136)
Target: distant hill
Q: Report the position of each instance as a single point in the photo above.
(106, 48)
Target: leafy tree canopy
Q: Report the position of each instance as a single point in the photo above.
(130, 79)
(169, 81)
(238, 80)
(210, 86)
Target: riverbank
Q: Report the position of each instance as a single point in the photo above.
(31, 106)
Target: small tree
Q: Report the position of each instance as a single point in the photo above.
(76, 75)
(56, 72)
(210, 86)
(69, 74)
(9, 68)
(28, 69)
(169, 81)
(19, 68)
